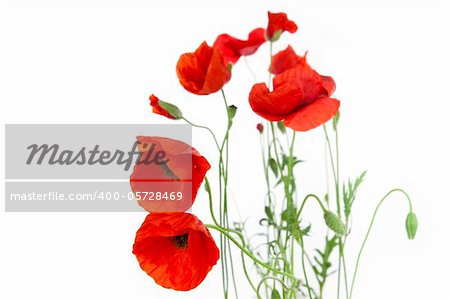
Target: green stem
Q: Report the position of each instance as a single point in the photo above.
(304, 202)
(345, 271)
(211, 208)
(338, 202)
(246, 273)
(336, 182)
(370, 228)
(205, 128)
(301, 236)
(303, 263)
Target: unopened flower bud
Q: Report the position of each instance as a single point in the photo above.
(411, 225)
(260, 128)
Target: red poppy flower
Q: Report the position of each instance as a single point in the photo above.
(164, 108)
(204, 71)
(300, 98)
(278, 23)
(168, 174)
(233, 48)
(175, 249)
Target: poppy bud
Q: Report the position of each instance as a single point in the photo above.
(260, 128)
(165, 109)
(232, 111)
(334, 223)
(411, 225)
(173, 110)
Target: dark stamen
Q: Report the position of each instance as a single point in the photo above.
(181, 241)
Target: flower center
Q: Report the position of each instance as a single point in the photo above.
(181, 241)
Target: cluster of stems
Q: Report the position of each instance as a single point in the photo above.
(282, 265)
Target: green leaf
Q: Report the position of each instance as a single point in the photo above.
(171, 109)
(290, 215)
(298, 232)
(273, 165)
(349, 193)
(411, 225)
(285, 161)
(275, 294)
(281, 127)
(323, 264)
(334, 223)
(269, 214)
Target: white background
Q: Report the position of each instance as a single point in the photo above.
(98, 62)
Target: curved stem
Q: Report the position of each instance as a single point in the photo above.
(246, 251)
(304, 202)
(370, 228)
(205, 128)
(211, 208)
(247, 275)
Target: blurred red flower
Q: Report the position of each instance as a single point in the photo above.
(183, 171)
(278, 23)
(204, 71)
(300, 98)
(233, 48)
(175, 249)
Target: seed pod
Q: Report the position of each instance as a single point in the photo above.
(334, 223)
(411, 225)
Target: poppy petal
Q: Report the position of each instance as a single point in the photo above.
(305, 78)
(217, 75)
(204, 71)
(233, 48)
(313, 115)
(285, 60)
(275, 105)
(329, 84)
